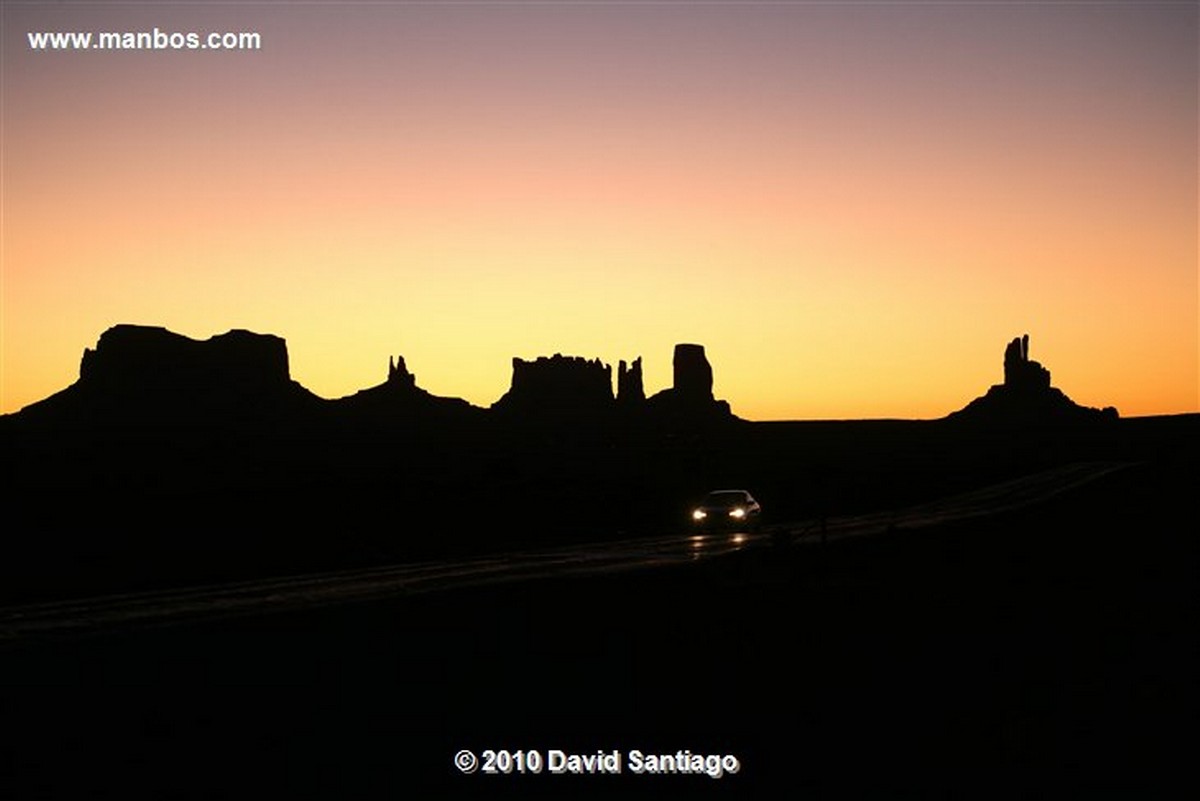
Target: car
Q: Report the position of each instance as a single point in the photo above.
(727, 509)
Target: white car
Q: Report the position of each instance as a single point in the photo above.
(727, 509)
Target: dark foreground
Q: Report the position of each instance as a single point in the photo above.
(1045, 653)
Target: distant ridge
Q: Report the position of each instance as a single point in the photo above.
(147, 377)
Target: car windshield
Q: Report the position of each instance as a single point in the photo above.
(725, 499)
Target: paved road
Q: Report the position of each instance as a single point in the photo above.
(90, 615)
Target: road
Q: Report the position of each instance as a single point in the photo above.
(950, 649)
(158, 608)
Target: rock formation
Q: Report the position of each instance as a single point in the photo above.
(570, 387)
(690, 400)
(1019, 372)
(398, 401)
(693, 373)
(146, 356)
(398, 374)
(629, 382)
(558, 385)
(1026, 396)
(149, 377)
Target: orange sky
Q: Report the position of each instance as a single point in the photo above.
(853, 207)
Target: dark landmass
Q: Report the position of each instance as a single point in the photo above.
(1048, 652)
(1026, 397)
(1045, 652)
(174, 461)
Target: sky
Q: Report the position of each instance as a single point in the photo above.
(853, 206)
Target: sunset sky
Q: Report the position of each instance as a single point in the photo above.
(853, 206)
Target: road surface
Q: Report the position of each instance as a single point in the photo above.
(98, 614)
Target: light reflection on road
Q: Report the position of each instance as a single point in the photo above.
(709, 545)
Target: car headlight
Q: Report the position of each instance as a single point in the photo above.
(739, 513)
(699, 514)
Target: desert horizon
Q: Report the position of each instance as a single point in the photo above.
(613, 378)
(599, 399)
(849, 206)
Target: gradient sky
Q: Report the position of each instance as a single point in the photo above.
(853, 206)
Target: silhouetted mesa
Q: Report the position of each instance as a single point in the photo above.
(573, 388)
(146, 377)
(147, 356)
(149, 375)
(1026, 396)
(558, 386)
